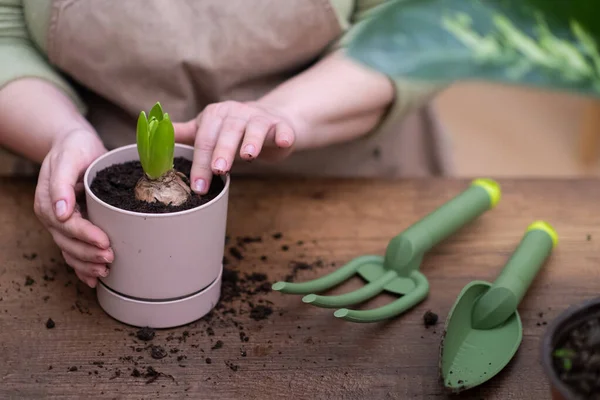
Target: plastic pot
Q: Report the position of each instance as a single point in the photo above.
(167, 267)
(558, 329)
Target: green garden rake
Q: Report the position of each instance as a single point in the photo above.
(397, 272)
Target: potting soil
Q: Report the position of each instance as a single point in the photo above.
(577, 359)
(115, 185)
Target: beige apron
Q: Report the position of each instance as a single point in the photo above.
(219, 50)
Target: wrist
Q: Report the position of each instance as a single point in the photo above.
(335, 101)
(79, 129)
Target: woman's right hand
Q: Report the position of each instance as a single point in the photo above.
(84, 246)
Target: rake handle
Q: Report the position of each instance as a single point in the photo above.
(482, 195)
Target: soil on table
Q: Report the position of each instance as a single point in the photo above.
(260, 312)
(430, 318)
(115, 185)
(146, 355)
(145, 334)
(577, 359)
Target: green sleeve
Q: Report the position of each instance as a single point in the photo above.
(20, 56)
(410, 95)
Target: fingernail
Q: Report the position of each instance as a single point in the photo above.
(103, 273)
(61, 208)
(220, 164)
(199, 185)
(249, 149)
(111, 256)
(285, 143)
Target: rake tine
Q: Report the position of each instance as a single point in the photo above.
(358, 296)
(328, 281)
(392, 309)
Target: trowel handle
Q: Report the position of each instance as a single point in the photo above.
(482, 195)
(524, 264)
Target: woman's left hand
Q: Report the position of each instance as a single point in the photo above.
(222, 128)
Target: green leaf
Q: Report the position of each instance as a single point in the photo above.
(551, 44)
(155, 142)
(567, 364)
(156, 112)
(564, 353)
(162, 143)
(143, 139)
(152, 128)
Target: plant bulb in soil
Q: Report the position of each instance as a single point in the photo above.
(160, 182)
(171, 188)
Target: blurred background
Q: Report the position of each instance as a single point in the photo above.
(516, 132)
(503, 131)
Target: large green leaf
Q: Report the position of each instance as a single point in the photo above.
(549, 44)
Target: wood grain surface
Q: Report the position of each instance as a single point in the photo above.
(299, 351)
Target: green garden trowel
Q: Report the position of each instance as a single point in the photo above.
(398, 271)
(483, 329)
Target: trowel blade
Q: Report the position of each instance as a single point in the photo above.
(470, 357)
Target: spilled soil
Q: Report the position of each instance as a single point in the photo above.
(153, 356)
(430, 318)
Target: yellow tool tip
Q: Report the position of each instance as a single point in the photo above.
(546, 227)
(492, 187)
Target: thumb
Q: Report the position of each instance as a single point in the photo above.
(185, 132)
(63, 178)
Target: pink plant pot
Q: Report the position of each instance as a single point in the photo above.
(167, 268)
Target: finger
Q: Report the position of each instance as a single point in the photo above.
(81, 229)
(204, 144)
(284, 135)
(64, 174)
(90, 269)
(91, 281)
(40, 205)
(80, 250)
(256, 132)
(232, 131)
(185, 132)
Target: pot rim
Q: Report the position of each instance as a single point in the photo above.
(547, 344)
(141, 214)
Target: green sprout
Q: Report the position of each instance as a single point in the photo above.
(156, 147)
(155, 142)
(566, 355)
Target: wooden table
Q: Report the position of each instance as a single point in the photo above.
(299, 351)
